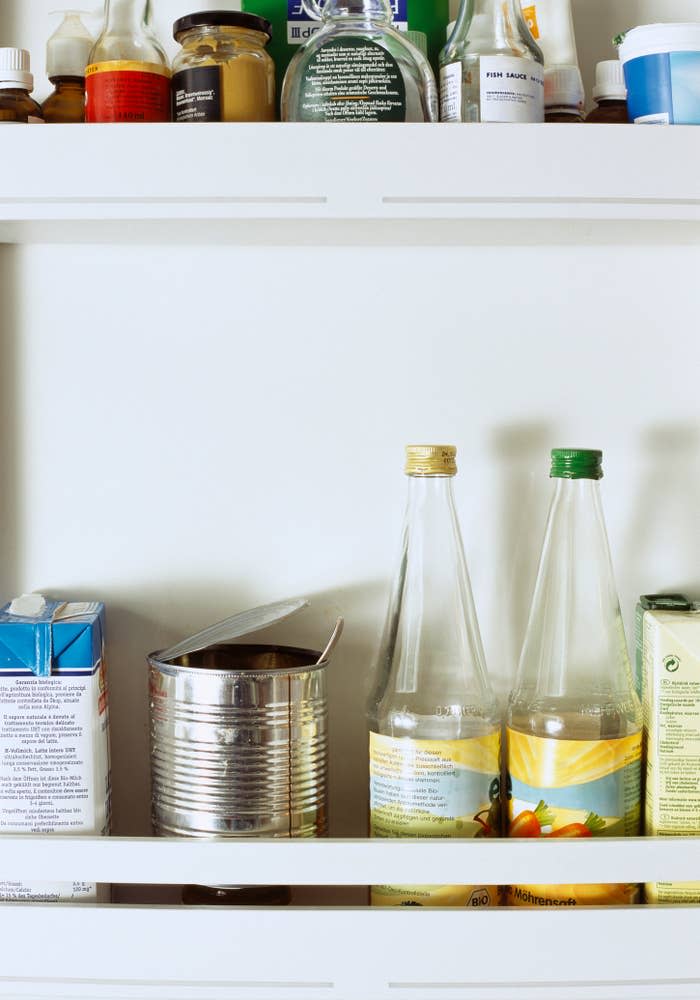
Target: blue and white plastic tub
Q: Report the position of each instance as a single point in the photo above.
(662, 72)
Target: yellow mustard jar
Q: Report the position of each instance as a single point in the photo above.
(223, 72)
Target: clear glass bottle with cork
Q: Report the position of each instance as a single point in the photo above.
(17, 107)
(435, 729)
(128, 76)
(491, 69)
(67, 53)
(610, 94)
(358, 68)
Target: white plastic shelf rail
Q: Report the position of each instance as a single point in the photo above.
(182, 953)
(184, 181)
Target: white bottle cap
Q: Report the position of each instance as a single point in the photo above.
(68, 49)
(14, 69)
(563, 88)
(609, 81)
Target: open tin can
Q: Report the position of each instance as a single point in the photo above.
(239, 742)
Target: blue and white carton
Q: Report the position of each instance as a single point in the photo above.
(54, 731)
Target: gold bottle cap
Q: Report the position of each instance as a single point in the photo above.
(431, 460)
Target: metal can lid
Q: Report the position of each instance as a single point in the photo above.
(222, 18)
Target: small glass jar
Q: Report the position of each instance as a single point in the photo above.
(223, 73)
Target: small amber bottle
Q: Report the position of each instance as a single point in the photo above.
(16, 85)
(610, 94)
(67, 54)
(563, 95)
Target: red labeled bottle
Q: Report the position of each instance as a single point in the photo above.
(128, 76)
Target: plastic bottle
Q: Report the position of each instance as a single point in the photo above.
(16, 85)
(67, 53)
(434, 726)
(563, 95)
(551, 24)
(610, 94)
(574, 721)
(491, 70)
(128, 78)
(358, 51)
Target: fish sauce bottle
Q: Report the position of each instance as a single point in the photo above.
(128, 76)
(435, 730)
(574, 723)
(491, 69)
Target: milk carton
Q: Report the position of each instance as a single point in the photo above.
(668, 662)
(54, 731)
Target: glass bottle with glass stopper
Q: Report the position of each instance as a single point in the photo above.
(434, 724)
(358, 68)
(128, 76)
(574, 725)
(491, 69)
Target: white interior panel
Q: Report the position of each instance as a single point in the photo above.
(197, 430)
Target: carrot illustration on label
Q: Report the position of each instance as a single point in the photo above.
(529, 823)
(591, 825)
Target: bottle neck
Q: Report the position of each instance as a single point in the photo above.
(68, 82)
(575, 639)
(372, 10)
(125, 15)
(499, 17)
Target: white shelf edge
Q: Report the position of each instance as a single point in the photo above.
(231, 175)
(348, 862)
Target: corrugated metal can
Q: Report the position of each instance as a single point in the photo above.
(239, 743)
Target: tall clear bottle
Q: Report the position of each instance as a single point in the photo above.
(434, 725)
(491, 69)
(128, 76)
(574, 720)
(358, 68)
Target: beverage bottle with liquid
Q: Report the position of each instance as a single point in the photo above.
(128, 76)
(434, 725)
(491, 69)
(573, 723)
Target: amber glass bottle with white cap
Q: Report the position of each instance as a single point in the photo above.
(610, 94)
(67, 53)
(17, 107)
(435, 732)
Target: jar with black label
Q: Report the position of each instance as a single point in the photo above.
(223, 72)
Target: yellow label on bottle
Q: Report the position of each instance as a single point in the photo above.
(577, 789)
(530, 15)
(434, 788)
(126, 66)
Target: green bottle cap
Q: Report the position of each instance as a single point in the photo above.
(576, 463)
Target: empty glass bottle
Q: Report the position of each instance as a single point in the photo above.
(358, 68)
(128, 78)
(434, 724)
(491, 69)
(574, 718)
